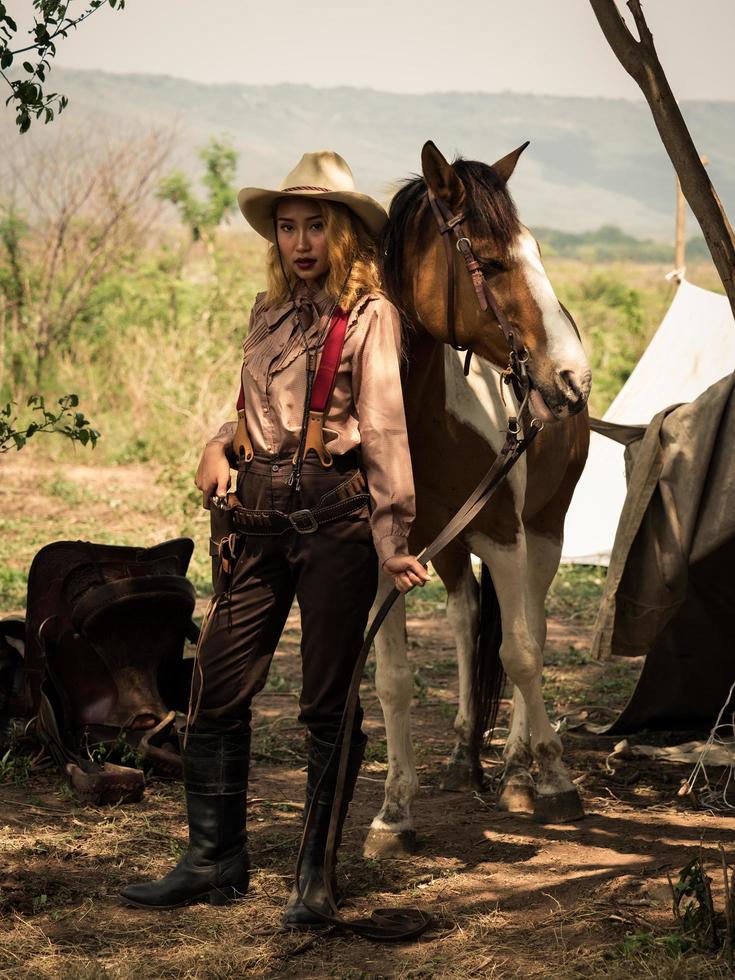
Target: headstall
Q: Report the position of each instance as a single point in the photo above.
(515, 372)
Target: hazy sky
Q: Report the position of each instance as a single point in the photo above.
(550, 47)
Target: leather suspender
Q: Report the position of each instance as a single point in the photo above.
(321, 393)
(321, 396)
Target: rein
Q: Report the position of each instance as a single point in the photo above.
(400, 924)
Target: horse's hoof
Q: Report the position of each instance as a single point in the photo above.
(459, 777)
(517, 796)
(558, 807)
(385, 843)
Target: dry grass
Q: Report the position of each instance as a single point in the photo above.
(509, 898)
(63, 920)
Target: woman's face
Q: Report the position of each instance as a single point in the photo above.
(302, 238)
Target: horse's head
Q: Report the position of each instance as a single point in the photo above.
(416, 274)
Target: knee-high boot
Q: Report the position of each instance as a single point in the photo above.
(215, 868)
(311, 879)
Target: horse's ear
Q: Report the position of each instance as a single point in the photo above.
(506, 165)
(440, 176)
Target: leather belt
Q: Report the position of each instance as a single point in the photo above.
(305, 521)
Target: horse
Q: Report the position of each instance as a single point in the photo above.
(456, 428)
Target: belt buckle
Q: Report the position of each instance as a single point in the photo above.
(311, 525)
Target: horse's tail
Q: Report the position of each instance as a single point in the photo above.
(488, 676)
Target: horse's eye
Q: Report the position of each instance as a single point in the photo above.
(491, 266)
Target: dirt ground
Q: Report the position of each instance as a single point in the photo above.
(508, 897)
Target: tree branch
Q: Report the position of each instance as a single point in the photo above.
(640, 60)
(640, 22)
(618, 35)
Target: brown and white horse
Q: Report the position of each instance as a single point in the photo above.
(456, 427)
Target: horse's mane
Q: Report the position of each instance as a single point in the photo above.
(490, 213)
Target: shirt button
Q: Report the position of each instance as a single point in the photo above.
(266, 409)
(275, 467)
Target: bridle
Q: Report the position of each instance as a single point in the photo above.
(515, 372)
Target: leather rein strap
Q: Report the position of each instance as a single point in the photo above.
(400, 924)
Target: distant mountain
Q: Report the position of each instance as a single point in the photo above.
(591, 162)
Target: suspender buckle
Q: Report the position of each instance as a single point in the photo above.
(303, 521)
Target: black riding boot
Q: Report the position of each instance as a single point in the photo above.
(215, 868)
(311, 879)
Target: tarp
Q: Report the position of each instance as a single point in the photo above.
(693, 348)
(670, 588)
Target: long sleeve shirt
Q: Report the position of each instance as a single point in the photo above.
(366, 409)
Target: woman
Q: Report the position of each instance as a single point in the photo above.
(305, 443)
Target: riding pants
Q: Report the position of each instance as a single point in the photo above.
(333, 574)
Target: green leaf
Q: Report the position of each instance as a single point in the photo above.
(29, 68)
(11, 23)
(6, 59)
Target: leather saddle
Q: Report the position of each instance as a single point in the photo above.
(104, 668)
(12, 701)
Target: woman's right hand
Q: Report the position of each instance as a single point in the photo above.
(213, 473)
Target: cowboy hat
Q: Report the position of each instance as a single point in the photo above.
(323, 175)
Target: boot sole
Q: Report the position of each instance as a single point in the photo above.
(305, 920)
(305, 926)
(215, 896)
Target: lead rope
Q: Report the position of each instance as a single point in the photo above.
(197, 667)
(397, 924)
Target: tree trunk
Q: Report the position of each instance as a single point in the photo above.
(640, 60)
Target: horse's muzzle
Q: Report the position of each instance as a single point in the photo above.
(567, 396)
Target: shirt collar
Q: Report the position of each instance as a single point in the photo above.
(275, 315)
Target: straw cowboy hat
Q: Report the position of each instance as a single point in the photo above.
(323, 175)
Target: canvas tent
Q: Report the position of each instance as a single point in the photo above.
(693, 348)
(669, 535)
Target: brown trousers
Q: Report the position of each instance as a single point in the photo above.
(333, 573)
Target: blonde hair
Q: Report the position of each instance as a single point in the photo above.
(353, 260)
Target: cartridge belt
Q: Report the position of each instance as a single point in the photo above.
(306, 521)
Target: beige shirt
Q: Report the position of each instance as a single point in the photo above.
(366, 409)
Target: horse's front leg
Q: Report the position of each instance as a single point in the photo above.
(557, 798)
(392, 831)
(517, 789)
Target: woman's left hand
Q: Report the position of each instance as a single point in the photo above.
(407, 572)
